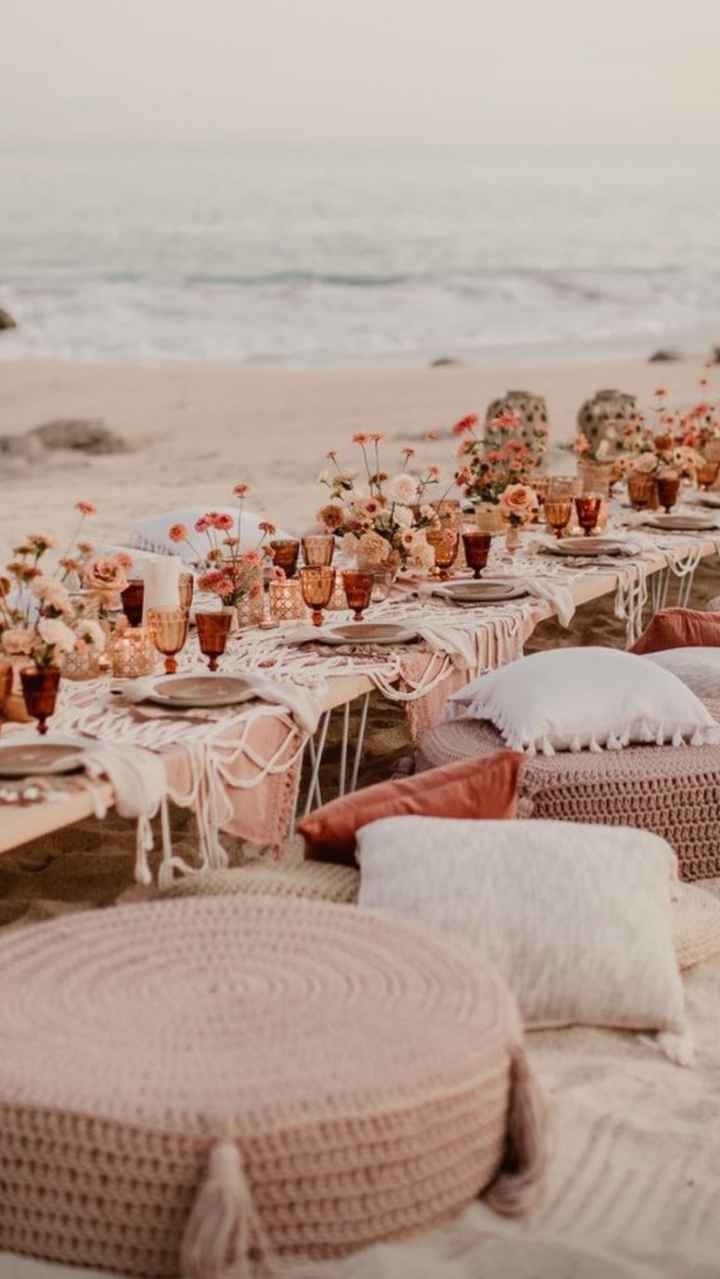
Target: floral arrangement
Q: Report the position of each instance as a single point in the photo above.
(499, 476)
(671, 442)
(507, 426)
(39, 619)
(225, 569)
(387, 523)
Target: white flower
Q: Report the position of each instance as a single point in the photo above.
(403, 489)
(92, 634)
(51, 593)
(404, 516)
(57, 634)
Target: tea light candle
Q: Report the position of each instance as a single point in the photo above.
(162, 582)
(286, 601)
(132, 653)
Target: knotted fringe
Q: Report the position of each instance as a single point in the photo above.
(224, 1237)
(519, 1182)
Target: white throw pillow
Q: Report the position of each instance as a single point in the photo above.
(577, 698)
(153, 534)
(577, 918)
(698, 668)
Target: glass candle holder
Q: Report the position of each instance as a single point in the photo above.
(213, 630)
(358, 592)
(707, 474)
(186, 588)
(641, 490)
(557, 514)
(588, 511)
(445, 543)
(286, 601)
(132, 600)
(285, 555)
(168, 628)
(318, 550)
(477, 548)
(318, 583)
(40, 689)
(132, 653)
(668, 487)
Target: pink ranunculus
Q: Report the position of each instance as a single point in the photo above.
(178, 533)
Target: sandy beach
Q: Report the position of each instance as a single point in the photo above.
(195, 430)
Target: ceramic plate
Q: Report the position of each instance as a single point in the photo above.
(39, 759)
(371, 633)
(481, 592)
(709, 499)
(190, 691)
(586, 546)
(682, 523)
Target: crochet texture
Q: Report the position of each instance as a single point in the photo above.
(201, 1086)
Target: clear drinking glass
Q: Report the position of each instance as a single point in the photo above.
(318, 583)
(169, 628)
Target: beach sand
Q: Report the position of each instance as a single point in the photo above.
(197, 430)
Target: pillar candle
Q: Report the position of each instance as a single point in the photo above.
(162, 582)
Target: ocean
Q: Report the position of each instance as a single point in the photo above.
(327, 254)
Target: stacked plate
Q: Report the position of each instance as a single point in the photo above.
(683, 522)
(590, 546)
(481, 591)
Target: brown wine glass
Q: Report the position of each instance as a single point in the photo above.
(557, 514)
(318, 550)
(477, 548)
(317, 582)
(668, 487)
(641, 486)
(707, 474)
(213, 630)
(285, 554)
(169, 628)
(358, 592)
(588, 511)
(445, 543)
(40, 689)
(132, 599)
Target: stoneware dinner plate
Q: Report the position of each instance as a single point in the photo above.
(586, 546)
(481, 592)
(682, 523)
(191, 691)
(709, 499)
(370, 633)
(39, 759)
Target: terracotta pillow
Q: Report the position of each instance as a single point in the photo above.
(679, 628)
(473, 788)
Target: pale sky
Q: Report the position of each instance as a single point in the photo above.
(506, 71)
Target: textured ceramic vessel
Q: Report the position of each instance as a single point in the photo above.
(605, 409)
(531, 410)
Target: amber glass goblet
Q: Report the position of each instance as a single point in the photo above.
(213, 630)
(707, 474)
(169, 628)
(477, 548)
(318, 550)
(40, 689)
(186, 587)
(557, 514)
(285, 555)
(445, 543)
(317, 582)
(588, 511)
(132, 599)
(640, 490)
(358, 592)
(668, 487)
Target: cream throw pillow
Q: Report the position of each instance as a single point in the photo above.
(578, 698)
(577, 918)
(697, 668)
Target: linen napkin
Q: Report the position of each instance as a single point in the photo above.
(304, 704)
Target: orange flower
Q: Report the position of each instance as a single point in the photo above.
(432, 435)
(266, 527)
(177, 532)
(86, 508)
(241, 490)
(660, 392)
(360, 438)
(376, 437)
(467, 423)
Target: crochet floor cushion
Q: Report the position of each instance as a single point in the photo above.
(207, 1087)
(673, 792)
(320, 881)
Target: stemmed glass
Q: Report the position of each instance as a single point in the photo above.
(445, 543)
(477, 548)
(318, 550)
(285, 555)
(358, 592)
(557, 514)
(40, 689)
(588, 511)
(707, 474)
(668, 487)
(213, 630)
(169, 628)
(317, 582)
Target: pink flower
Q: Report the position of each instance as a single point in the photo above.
(467, 423)
(19, 641)
(376, 437)
(331, 455)
(360, 438)
(252, 558)
(85, 548)
(266, 526)
(124, 560)
(660, 392)
(178, 533)
(519, 501)
(203, 524)
(223, 522)
(432, 435)
(241, 490)
(86, 508)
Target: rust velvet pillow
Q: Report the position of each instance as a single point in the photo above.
(473, 788)
(679, 628)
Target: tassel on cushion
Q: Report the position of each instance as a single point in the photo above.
(224, 1238)
(518, 1185)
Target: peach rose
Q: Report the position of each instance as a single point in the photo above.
(105, 573)
(519, 501)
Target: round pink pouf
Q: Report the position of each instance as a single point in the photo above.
(201, 1087)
